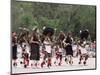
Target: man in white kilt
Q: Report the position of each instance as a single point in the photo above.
(83, 54)
(47, 44)
(47, 33)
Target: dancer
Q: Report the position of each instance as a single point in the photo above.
(25, 57)
(83, 54)
(58, 56)
(68, 47)
(34, 52)
(60, 46)
(14, 48)
(47, 44)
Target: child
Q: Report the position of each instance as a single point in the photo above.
(58, 56)
(25, 57)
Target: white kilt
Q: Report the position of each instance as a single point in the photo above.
(83, 50)
(60, 49)
(48, 48)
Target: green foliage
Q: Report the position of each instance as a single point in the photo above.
(63, 17)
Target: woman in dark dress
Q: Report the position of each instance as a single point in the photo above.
(68, 48)
(34, 53)
(14, 48)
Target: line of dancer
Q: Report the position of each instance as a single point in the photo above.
(38, 48)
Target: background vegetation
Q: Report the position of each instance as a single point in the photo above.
(63, 17)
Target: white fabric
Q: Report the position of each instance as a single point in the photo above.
(60, 49)
(74, 47)
(47, 47)
(87, 47)
(83, 50)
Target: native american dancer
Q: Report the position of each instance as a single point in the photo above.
(14, 48)
(68, 48)
(47, 45)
